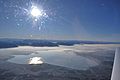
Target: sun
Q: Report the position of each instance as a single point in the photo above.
(36, 12)
(38, 15)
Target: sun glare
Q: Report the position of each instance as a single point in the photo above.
(35, 60)
(35, 12)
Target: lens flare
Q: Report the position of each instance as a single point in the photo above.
(35, 12)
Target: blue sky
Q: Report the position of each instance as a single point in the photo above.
(68, 19)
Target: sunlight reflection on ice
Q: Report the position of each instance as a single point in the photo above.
(35, 60)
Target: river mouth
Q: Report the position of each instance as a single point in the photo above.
(59, 58)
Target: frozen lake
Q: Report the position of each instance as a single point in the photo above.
(61, 56)
(55, 57)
